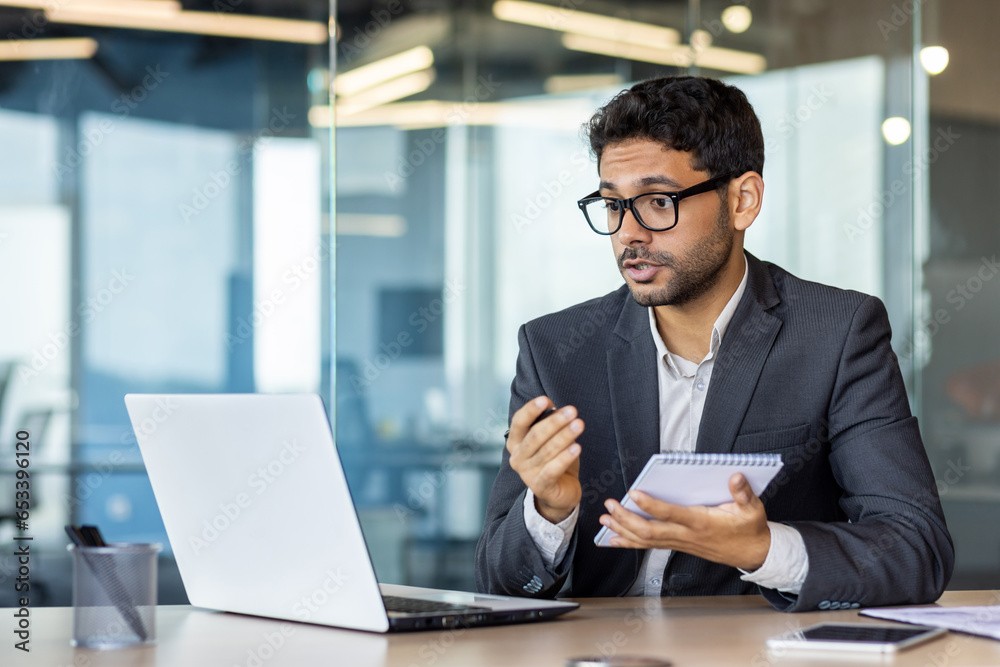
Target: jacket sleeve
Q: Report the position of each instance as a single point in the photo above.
(895, 547)
(507, 560)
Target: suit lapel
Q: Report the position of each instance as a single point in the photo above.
(635, 397)
(635, 405)
(745, 347)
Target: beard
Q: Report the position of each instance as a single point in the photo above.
(694, 274)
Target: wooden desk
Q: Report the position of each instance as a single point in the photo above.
(717, 631)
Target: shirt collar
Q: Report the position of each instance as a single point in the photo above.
(718, 329)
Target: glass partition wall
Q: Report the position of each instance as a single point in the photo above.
(456, 220)
(163, 228)
(187, 211)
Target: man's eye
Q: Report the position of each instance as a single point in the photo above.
(613, 205)
(660, 202)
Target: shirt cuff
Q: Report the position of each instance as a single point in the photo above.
(552, 539)
(787, 562)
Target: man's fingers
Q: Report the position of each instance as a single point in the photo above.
(741, 492)
(625, 537)
(669, 522)
(548, 427)
(556, 443)
(632, 528)
(555, 468)
(537, 434)
(660, 510)
(522, 420)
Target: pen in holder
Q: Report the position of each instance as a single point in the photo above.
(114, 591)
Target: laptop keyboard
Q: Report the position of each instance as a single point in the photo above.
(418, 606)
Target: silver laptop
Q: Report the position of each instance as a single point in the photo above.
(257, 509)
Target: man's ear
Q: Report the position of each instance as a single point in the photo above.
(746, 193)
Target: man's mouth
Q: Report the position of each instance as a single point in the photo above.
(640, 271)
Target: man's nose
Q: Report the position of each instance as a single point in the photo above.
(631, 231)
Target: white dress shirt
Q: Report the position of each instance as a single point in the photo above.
(683, 386)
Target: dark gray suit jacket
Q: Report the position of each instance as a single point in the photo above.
(804, 370)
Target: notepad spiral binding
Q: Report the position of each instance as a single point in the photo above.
(707, 459)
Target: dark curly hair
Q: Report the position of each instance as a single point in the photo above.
(712, 120)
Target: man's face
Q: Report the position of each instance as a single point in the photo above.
(673, 267)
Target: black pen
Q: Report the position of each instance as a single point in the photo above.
(547, 413)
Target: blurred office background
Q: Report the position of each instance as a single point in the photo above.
(186, 206)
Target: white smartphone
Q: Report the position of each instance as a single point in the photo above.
(866, 637)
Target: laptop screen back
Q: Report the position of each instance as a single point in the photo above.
(256, 506)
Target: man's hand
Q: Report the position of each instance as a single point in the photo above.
(547, 456)
(734, 534)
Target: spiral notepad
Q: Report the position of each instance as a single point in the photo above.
(692, 478)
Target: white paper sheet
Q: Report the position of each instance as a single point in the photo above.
(982, 621)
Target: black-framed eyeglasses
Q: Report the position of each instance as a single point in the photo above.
(656, 211)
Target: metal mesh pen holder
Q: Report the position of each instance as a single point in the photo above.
(114, 595)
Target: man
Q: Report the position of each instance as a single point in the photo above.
(707, 348)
